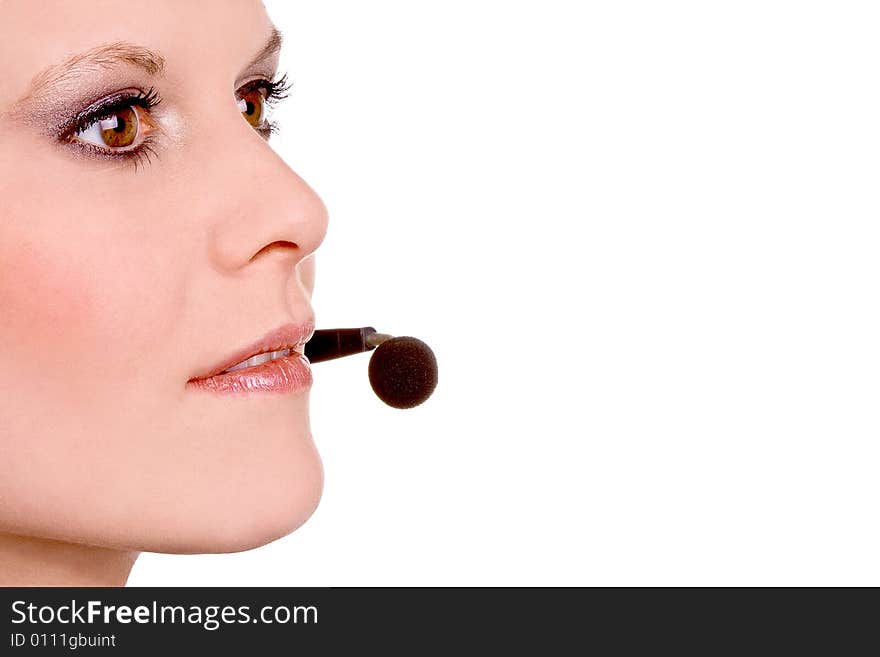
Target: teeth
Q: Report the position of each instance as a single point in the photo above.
(259, 358)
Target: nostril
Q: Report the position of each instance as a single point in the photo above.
(276, 244)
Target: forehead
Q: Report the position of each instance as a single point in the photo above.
(187, 33)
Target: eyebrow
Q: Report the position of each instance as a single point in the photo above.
(104, 56)
(273, 45)
(112, 54)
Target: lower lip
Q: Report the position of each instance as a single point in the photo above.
(289, 374)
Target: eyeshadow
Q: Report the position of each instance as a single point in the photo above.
(53, 110)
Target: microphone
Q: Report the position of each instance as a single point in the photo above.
(402, 370)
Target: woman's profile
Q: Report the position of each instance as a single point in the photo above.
(156, 275)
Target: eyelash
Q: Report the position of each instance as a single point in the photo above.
(274, 91)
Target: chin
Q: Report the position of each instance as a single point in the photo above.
(238, 496)
(264, 506)
(269, 513)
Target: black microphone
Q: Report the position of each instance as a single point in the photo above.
(402, 370)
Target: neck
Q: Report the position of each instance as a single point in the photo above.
(28, 561)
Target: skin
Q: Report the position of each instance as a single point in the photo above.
(119, 285)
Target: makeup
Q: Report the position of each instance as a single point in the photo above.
(106, 107)
(62, 113)
(285, 374)
(273, 363)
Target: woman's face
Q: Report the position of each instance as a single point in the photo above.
(123, 276)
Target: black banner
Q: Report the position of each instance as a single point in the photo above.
(130, 621)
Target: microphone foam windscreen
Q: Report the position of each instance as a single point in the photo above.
(403, 371)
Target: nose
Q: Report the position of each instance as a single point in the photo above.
(264, 210)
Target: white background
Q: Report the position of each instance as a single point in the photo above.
(642, 239)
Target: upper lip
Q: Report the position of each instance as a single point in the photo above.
(286, 336)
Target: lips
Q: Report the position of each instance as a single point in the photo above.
(291, 336)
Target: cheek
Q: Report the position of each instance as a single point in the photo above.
(73, 306)
(80, 275)
(75, 299)
(47, 298)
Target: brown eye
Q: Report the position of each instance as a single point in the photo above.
(118, 130)
(251, 106)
